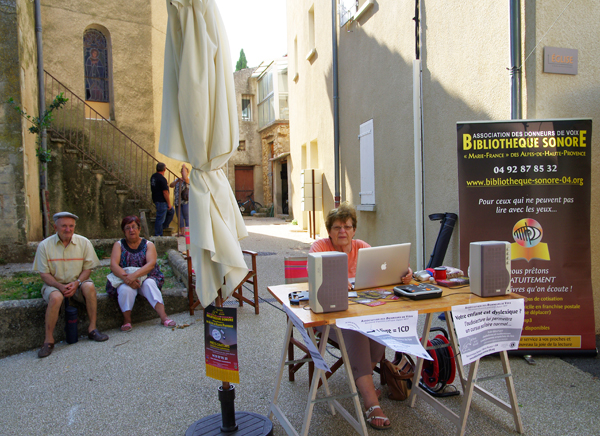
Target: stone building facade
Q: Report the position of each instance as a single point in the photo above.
(244, 169)
(20, 217)
(411, 87)
(259, 167)
(133, 37)
(273, 124)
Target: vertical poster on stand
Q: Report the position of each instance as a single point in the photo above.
(220, 343)
(528, 182)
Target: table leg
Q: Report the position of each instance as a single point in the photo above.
(322, 350)
(274, 408)
(512, 394)
(359, 425)
(467, 398)
(454, 343)
(412, 398)
(314, 385)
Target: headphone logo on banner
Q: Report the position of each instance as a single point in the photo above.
(527, 234)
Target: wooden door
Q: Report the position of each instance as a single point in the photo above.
(244, 182)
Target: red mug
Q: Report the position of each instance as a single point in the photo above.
(439, 273)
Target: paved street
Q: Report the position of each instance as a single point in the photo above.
(151, 380)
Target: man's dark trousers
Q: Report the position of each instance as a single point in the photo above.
(164, 216)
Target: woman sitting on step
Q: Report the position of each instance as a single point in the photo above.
(135, 271)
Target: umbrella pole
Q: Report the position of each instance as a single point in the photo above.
(250, 423)
(226, 395)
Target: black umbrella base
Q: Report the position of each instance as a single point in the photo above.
(248, 424)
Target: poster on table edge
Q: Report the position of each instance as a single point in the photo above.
(528, 182)
(220, 343)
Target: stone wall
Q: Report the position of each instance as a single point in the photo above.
(20, 219)
(22, 321)
(245, 84)
(77, 186)
(279, 135)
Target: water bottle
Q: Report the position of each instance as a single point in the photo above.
(71, 322)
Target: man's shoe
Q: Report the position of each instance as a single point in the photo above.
(46, 350)
(96, 335)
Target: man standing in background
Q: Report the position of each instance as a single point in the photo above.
(160, 197)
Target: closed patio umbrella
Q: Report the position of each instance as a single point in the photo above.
(200, 126)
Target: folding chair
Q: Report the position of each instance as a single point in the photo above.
(250, 278)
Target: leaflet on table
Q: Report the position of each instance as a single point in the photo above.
(312, 349)
(487, 328)
(395, 330)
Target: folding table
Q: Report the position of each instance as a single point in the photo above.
(450, 297)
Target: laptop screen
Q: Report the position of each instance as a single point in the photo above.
(381, 266)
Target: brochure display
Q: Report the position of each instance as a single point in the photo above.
(220, 346)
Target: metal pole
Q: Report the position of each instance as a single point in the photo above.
(420, 236)
(336, 116)
(515, 59)
(41, 111)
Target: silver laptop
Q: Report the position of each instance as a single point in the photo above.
(381, 266)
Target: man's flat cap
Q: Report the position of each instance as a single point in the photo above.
(64, 215)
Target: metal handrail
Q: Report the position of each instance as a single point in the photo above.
(100, 141)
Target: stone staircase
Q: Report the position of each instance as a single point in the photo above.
(79, 185)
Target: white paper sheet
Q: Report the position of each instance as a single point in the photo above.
(395, 330)
(487, 328)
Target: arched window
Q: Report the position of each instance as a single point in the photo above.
(95, 55)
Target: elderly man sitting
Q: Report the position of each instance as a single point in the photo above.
(65, 261)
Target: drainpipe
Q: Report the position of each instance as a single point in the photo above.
(418, 144)
(336, 115)
(515, 59)
(41, 111)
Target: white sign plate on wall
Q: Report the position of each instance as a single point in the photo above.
(560, 60)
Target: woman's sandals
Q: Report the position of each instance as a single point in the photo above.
(382, 419)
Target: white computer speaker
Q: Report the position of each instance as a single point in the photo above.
(328, 281)
(489, 268)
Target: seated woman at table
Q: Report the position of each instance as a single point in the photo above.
(363, 353)
(142, 276)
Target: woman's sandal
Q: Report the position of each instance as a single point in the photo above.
(370, 418)
(126, 327)
(169, 323)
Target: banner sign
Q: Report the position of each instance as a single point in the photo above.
(312, 348)
(395, 330)
(528, 182)
(486, 328)
(220, 343)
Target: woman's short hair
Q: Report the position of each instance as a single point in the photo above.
(342, 213)
(130, 219)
